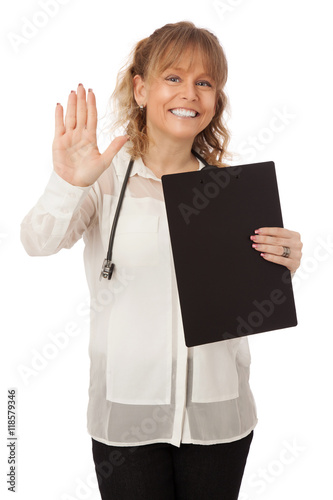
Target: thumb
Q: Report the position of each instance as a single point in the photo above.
(114, 148)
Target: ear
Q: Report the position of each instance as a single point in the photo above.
(139, 89)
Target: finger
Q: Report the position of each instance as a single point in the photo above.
(283, 261)
(272, 249)
(91, 112)
(271, 240)
(59, 120)
(70, 118)
(81, 107)
(113, 149)
(280, 232)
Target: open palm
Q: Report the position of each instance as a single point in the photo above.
(76, 157)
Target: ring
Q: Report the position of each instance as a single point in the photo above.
(286, 252)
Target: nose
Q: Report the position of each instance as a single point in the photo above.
(189, 91)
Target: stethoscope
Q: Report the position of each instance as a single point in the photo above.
(108, 266)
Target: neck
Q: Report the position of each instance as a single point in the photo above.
(168, 157)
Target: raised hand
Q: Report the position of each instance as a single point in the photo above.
(76, 157)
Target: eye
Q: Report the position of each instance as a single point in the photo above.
(204, 83)
(172, 78)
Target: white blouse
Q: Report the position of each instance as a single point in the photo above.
(146, 386)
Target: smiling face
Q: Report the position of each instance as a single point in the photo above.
(180, 102)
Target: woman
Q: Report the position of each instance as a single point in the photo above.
(166, 422)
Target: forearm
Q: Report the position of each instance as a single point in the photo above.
(59, 218)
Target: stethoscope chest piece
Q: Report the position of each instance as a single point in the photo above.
(107, 269)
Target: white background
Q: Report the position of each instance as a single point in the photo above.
(280, 56)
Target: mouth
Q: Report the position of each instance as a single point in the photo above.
(184, 113)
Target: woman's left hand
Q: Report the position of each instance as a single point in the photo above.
(271, 243)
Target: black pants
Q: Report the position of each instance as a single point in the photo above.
(165, 472)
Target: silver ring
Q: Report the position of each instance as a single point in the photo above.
(286, 252)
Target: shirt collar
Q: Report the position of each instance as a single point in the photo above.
(121, 161)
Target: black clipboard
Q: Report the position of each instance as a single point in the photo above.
(226, 289)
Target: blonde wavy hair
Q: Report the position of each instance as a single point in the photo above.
(149, 58)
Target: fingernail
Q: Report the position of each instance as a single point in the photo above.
(58, 103)
(262, 255)
(80, 85)
(72, 91)
(254, 245)
(90, 90)
(257, 231)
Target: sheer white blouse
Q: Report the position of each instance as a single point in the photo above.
(146, 386)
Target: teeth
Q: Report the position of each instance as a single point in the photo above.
(183, 112)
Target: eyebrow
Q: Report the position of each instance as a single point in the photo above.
(183, 69)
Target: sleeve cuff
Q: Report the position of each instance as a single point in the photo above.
(60, 197)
